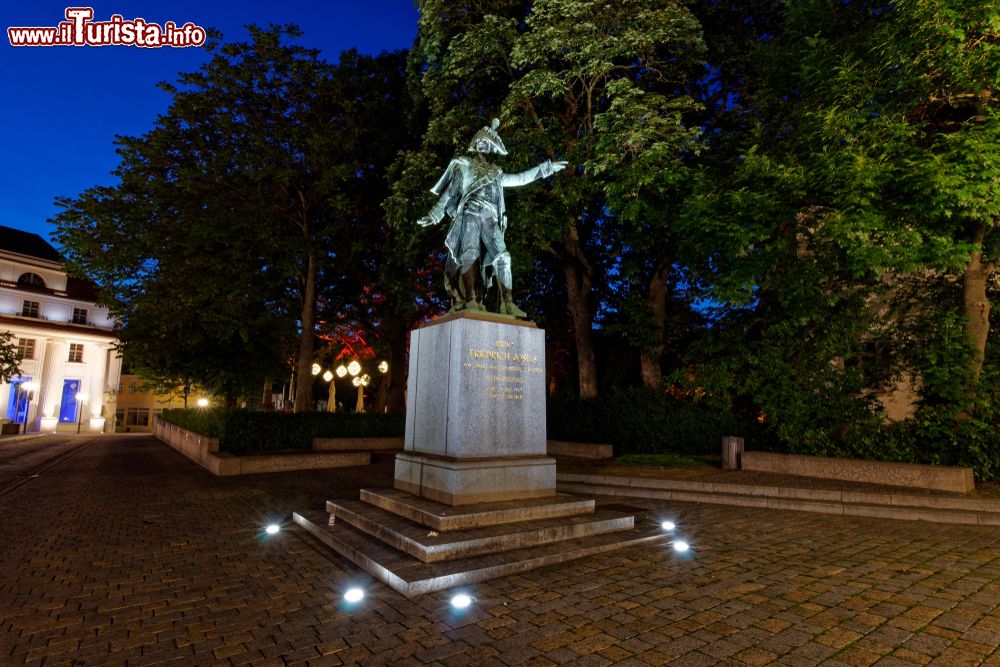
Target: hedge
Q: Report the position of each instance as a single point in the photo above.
(243, 431)
(635, 420)
(642, 421)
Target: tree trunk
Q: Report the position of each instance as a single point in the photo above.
(396, 391)
(579, 285)
(656, 301)
(303, 392)
(976, 305)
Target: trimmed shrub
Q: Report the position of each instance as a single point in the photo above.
(244, 431)
(642, 421)
(209, 423)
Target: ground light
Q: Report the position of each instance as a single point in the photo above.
(354, 595)
(461, 601)
(668, 525)
(681, 546)
(272, 529)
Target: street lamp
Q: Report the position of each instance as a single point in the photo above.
(381, 395)
(31, 388)
(80, 398)
(202, 402)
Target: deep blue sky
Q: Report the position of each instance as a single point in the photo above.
(62, 106)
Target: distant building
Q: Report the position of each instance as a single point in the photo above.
(138, 405)
(70, 369)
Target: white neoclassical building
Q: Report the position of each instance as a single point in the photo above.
(70, 371)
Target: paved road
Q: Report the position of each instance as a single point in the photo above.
(127, 553)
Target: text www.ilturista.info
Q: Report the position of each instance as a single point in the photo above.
(79, 29)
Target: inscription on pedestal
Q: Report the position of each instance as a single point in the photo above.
(503, 370)
(477, 389)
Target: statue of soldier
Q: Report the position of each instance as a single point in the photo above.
(471, 192)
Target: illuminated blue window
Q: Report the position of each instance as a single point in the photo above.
(67, 408)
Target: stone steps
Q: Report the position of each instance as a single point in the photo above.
(439, 517)
(431, 546)
(889, 505)
(410, 577)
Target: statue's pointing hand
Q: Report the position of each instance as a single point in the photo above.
(425, 221)
(549, 167)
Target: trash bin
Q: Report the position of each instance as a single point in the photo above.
(732, 449)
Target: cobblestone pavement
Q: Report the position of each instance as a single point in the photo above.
(22, 455)
(126, 553)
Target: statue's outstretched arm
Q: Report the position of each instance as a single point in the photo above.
(543, 170)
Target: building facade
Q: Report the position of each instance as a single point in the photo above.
(70, 370)
(138, 404)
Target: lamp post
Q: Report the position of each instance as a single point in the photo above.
(80, 398)
(381, 397)
(31, 388)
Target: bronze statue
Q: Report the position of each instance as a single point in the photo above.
(471, 191)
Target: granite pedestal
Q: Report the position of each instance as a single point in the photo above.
(475, 416)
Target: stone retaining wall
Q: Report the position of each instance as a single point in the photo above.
(912, 475)
(348, 444)
(583, 450)
(205, 452)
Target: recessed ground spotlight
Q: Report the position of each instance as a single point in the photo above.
(681, 546)
(272, 529)
(354, 595)
(668, 525)
(461, 601)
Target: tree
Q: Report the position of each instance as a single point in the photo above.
(566, 76)
(255, 194)
(10, 357)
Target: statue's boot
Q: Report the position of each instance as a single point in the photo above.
(507, 306)
(470, 281)
(506, 282)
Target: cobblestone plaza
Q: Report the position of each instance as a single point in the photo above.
(121, 552)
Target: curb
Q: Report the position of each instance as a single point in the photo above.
(904, 506)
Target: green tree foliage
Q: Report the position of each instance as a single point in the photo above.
(10, 358)
(840, 222)
(256, 192)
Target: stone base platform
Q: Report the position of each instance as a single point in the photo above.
(455, 481)
(399, 539)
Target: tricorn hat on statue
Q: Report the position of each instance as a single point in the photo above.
(490, 136)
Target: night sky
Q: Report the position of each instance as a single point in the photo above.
(62, 106)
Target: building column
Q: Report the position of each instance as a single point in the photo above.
(49, 388)
(103, 388)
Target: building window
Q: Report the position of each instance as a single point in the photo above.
(137, 417)
(132, 387)
(76, 352)
(29, 309)
(79, 316)
(120, 417)
(26, 348)
(31, 280)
